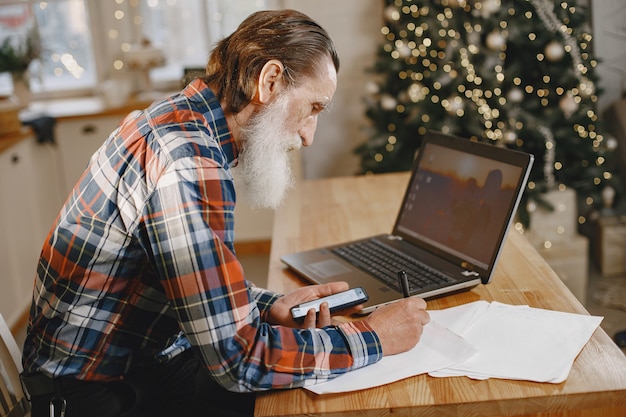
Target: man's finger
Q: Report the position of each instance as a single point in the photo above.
(332, 288)
(310, 319)
(324, 319)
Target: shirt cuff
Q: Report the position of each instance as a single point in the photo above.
(363, 343)
(264, 300)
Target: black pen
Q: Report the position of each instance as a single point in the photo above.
(404, 283)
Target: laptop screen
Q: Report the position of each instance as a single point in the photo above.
(460, 202)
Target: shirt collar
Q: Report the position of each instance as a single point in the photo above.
(208, 104)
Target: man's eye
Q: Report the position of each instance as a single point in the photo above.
(316, 109)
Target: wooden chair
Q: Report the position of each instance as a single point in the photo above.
(13, 402)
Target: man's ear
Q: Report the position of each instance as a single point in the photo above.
(271, 80)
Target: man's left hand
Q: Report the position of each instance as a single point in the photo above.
(280, 313)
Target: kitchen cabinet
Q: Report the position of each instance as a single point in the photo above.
(78, 140)
(30, 198)
(82, 125)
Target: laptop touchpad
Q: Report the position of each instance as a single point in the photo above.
(327, 269)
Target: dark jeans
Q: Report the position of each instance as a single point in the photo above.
(179, 388)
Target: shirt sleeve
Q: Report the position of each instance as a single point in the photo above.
(264, 299)
(188, 220)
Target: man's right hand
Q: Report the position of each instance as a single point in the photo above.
(399, 325)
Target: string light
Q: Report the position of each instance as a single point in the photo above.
(452, 72)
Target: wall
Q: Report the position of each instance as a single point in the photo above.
(609, 43)
(355, 27)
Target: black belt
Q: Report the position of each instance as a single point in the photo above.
(36, 385)
(40, 385)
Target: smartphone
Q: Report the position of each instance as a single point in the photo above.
(338, 301)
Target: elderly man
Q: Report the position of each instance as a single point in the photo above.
(140, 306)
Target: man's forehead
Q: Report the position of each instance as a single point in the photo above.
(321, 87)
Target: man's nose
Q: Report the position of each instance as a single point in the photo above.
(307, 131)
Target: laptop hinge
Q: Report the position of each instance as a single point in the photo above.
(469, 269)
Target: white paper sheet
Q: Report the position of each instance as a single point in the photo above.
(458, 319)
(438, 348)
(482, 340)
(524, 343)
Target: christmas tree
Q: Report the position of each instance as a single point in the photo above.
(515, 73)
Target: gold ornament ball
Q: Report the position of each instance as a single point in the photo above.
(455, 104)
(489, 7)
(388, 102)
(392, 14)
(568, 105)
(495, 41)
(611, 143)
(404, 51)
(554, 51)
(509, 136)
(372, 88)
(515, 95)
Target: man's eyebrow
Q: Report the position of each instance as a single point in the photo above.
(326, 104)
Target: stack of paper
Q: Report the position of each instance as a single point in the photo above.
(482, 340)
(520, 342)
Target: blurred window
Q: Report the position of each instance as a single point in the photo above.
(83, 41)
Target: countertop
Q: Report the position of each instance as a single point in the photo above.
(77, 108)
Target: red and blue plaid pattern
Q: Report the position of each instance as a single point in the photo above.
(143, 249)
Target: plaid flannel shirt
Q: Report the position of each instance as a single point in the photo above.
(143, 249)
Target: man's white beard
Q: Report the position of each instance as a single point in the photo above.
(264, 158)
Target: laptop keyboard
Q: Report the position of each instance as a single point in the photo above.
(385, 262)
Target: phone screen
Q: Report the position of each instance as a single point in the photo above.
(338, 301)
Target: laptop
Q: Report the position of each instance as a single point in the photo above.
(454, 218)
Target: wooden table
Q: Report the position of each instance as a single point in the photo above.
(327, 211)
